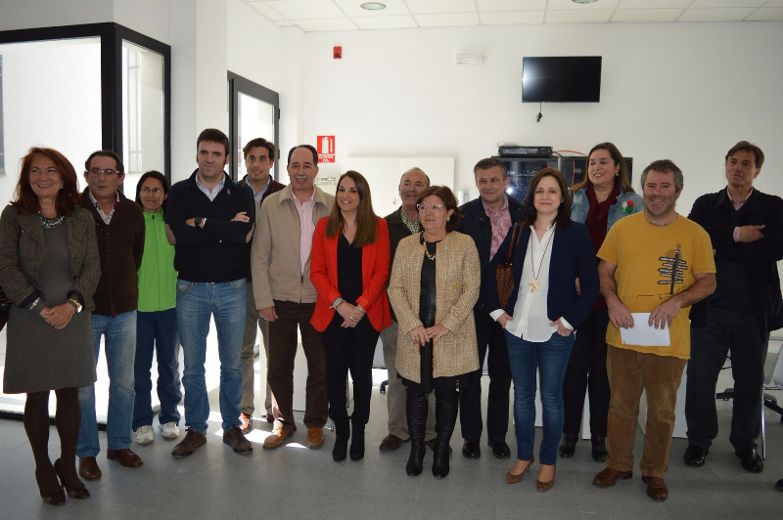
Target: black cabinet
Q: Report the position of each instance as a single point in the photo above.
(523, 169)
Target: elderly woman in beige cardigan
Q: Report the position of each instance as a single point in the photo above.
(434, 285)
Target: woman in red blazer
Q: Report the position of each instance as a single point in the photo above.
(349, 266)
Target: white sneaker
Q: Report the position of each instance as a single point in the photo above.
(169, 431)
(144, 434)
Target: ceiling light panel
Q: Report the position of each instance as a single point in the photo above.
(565, 5)
(353, 8)
(511, 5)
(512, 18)
(306, 9)
(654, 4)
(647, 15)
(441, 6)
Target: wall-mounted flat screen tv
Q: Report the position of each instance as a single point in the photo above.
(561, 79)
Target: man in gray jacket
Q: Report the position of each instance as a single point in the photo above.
(285, 297)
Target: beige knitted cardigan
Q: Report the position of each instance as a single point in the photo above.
(457, 281)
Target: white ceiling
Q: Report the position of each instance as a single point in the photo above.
(346, 15)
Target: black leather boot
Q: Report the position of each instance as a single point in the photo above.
(568, 446)
(342, 430)
(357, 441)
(416, 411)
(446, 406)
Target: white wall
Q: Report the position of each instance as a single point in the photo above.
(261, 52)
(683, 91)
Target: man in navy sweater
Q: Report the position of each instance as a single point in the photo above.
(211, 217)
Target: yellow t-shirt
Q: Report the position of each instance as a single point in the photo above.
(645, 256)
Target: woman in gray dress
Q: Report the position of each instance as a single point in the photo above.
(49, 268)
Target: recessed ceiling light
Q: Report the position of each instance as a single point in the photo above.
(373, 6)
(584, 1)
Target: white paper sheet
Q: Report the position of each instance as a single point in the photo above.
(643, 334)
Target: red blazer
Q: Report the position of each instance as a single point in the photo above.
(375, 273)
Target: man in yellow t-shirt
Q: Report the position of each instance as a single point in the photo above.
(661, 263)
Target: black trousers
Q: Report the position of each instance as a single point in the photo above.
(349, 349)
(738, 334)
(490, 338)
(587, 371)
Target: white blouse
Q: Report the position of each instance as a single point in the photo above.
(530, 321)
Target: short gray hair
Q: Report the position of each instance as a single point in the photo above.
(665, 166)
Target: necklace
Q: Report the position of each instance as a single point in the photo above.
(50, 223)
(535, 285)
(430, 256)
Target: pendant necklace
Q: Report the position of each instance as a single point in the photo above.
(535, 285)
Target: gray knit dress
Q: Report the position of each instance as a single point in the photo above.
(39, 357)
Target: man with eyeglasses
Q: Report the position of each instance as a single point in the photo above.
(259, 159)
(487, 220)
(285, 296)
(211, 217)
(120, 230)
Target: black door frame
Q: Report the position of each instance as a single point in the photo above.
(236, 85)
(111, 36)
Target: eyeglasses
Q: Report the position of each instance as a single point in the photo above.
(147, 189)
(107, 171)
(433, 207)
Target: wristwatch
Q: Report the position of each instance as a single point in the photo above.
(76, 305)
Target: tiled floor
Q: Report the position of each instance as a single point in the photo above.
(296, 483)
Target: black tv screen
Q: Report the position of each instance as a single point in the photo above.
(561, 79)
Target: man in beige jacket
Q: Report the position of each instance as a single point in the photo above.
(285, 297)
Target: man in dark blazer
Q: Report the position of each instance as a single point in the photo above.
(488, 220)
(259, 160)
(746, 230)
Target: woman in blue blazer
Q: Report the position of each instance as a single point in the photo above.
(540, 317)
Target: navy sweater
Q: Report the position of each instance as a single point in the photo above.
(218, 252)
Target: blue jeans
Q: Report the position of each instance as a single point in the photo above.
(120, 343)
(156, 333)
(551, 359)
(196, 301)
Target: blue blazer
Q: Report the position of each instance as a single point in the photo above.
(572, 257)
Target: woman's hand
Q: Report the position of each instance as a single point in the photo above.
(351, 314)
(419, 335)
(503, 319)
(59, 316)
(561, 328)
(436, 332)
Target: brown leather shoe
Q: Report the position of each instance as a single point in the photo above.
(608, 477)
(192, 441)
(549, 484)
(246, 423)
(656, 488)
(514, 478)
(125, 457)
(88, 468)
(315, 437)
(391, 443)
(278, 436)
(236, 439)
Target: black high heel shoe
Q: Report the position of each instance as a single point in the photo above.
(80, 491)
(53, 496)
